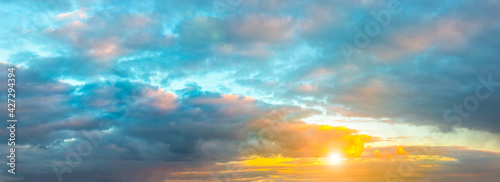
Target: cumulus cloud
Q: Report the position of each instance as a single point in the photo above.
(298, 139)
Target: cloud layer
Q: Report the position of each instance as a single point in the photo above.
(184, 83)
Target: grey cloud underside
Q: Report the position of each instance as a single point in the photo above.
(127, 123)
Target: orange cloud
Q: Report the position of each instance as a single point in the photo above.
(366, 168)
(275, 135)
(383, 154)
(401, 151)
(398, 150)
(355, 144)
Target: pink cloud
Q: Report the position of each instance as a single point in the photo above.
(445, 34)
(264, 29)
(73, 15)
(307, 88)
(159, 99)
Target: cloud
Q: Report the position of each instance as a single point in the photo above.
(183, 85)
(148, 123)
(77, 14)
(442, 165)
(105, 35)
(260, 28)
(275, 134)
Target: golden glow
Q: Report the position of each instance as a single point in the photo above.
(335, 159)
(355, 144)
(401, 151)
(336, 165)
(268, 161)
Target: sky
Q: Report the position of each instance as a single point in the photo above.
(255, 90)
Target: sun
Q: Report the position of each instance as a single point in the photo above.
(335, 159)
